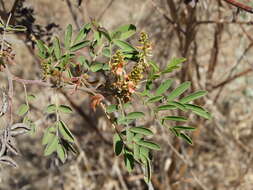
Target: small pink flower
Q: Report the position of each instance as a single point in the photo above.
(119, 71)
(131, 87)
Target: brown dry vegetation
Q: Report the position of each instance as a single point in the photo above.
(218, 48)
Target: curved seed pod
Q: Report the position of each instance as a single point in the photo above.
(12, 148)
(8, 161)
(5, 102)
(18, 129)
(3, 146)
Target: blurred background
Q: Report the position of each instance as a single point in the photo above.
(215, 38)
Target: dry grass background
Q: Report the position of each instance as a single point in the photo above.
(221, 157)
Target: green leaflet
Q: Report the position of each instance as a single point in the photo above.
(42, 49)
(82, 33)
(79, 46)
(198, 110)
(174, 64)
(163, 87)
(84, 62)
(193, 96)
(68, 36)
(65, 132)
(51, 108)
(149, 144)
(126, 47)
(136, 151)
(146, 161)
(174, 118)
(117, 144)
(23, 109)
(165, 107)
(124, 32)
(177, 105)
(141, 130)
(154, 99)
(129, 161)
(31, 97)
(105, 33)
(97, 66)
(65, 109)
(106, 52)
(144, 151)
(61, 152)
(154, 66)
(134, 115)
(48, 135)
(57, 48)
(186, 138)
(51, 146)
(178, 91)
(137, 137)
(183, 128)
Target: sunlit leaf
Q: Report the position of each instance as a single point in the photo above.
(174, 64)
(96, 66)
(141, 130)
(48, 135)
(23, 109)
(137, 137)
(106, 52)
(124, 46)
(129, 161)
(61, 152)
(184, 128)
(31, 97)
(51, 108)
(174, 118)
(134, 115)
(130, 136)
(155, 99)
(79, 46)
(165, 107)
(82, 33)
(65, 109)
(144, 151)
(42, 49)
(57, 48)
(154, 66)
(136, 151)
(51, 146)
(163, 87)
(178, 91)
(68, 36)
(193, 96)
(198, 110)
(124, 32)
(149, 144)
(65, 132)
(177, 105)
(186, 138)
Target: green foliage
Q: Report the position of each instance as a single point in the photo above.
(109, 54)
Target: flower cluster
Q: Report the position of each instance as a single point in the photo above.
(125, 84)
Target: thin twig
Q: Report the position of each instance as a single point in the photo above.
(101, 14)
